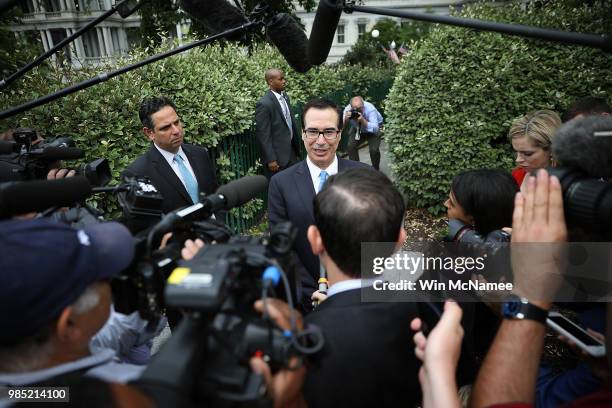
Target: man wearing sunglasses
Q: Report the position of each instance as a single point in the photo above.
(291, 192)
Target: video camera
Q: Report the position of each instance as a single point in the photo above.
(208, 353)
(29, 157)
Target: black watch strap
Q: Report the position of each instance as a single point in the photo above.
(519, 308)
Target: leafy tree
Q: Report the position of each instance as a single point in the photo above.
(368, 50)
(15, 50)
(457, 93)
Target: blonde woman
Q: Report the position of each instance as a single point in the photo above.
(531, 137)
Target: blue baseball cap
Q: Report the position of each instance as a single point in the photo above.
(46, 265)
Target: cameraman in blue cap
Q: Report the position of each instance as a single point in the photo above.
(55, 296)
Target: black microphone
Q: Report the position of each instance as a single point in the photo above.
(57, 153)
(28, 196)
(228, 196)
(323, 30)
(286, 34)
(585, 144)
(215, 15)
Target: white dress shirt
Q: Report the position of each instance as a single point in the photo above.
(315, 171)
(170, 159)
(348, 284)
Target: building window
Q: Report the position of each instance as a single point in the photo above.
(134, 37)
(91, 45)
(28, 6)
(52, 6)
(361, 29)
(114, 31)
(340, 32)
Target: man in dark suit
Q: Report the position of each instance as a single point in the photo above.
(291, 192)
(276, 129)
(180, 172)
(366, 360)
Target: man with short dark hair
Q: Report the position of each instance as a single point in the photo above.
(276, 130)
(363, 121)
(180, 172)
(291, 192)
(55, 296)
(365, 360)
(585, 107)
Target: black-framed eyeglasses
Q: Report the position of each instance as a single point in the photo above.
(329, 134)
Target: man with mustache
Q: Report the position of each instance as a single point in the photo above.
(178, 171)
(291, 192)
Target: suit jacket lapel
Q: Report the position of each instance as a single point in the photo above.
(164, 170)
(305, 189)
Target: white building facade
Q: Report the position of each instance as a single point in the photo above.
(54, 20)
(354, 25)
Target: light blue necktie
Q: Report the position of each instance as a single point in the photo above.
(322, 179)
(190, 183)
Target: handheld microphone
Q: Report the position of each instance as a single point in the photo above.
(323, 30)
(215, 15)
(29, 196)
(585, 144)
(233, 194)
(290, 40)
(57, 153)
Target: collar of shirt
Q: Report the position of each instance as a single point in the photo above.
(349, 284)
(170, 156)
(278, 95)
(316, 171)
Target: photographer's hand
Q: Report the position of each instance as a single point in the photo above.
(439, 353)
(538, 227)
(54, 174)
(284, 387)
(191, 248)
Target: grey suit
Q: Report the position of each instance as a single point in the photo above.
(278, 142)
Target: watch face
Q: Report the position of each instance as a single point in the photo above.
(511, 307)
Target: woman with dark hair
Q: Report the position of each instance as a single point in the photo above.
(483, 200)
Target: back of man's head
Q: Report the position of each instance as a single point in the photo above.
(585, 107)
(151, 105)
(47, 266)
(355, 206)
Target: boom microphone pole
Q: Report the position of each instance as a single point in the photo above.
(603, 42)
(329, 12)
(124, 8)
(108, 75)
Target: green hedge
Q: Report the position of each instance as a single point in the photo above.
(455, 96)
(215, 88)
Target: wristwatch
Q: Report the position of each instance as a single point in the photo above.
(519, 308)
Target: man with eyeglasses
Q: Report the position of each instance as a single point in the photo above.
(291, 192)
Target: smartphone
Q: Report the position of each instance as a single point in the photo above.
(577, 334)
